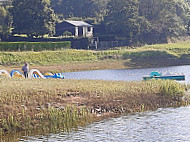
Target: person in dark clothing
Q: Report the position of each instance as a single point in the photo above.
(25, 69)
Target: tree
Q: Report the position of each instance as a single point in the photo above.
(122, 19)
(4, 23)
(3, 14)
(33, 17)
(77, 8)
(168, 17)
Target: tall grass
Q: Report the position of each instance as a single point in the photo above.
(48, 120)
(53, 105)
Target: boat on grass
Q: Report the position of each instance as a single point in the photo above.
(166, 75)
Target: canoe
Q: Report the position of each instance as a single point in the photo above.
(167, 75)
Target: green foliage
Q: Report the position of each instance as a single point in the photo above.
(33, 46)
(147, 21)
(171, 16)
(67, 33)
(171, 88)
(121, 19)
(33, 17)
(4, 23)
(79, 8)
(3, 14)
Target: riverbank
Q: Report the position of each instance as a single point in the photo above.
(101, 65)
(45, 105)
(41, 105)
(68, 60)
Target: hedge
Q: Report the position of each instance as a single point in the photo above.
(33, 46)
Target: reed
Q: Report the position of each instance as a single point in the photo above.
(53, 105)
(49, 120)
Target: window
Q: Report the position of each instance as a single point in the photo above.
(89, 29)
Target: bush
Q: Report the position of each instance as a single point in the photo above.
(33, 46)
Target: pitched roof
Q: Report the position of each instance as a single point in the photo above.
(78, 23)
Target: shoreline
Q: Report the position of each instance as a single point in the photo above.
(33, 98)
(105, 64)
(28, 103)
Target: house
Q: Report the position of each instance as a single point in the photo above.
(75, 28)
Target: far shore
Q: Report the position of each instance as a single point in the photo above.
(101, 65)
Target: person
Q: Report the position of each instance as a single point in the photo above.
(25, 69)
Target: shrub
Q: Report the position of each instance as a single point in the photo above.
(33, 46)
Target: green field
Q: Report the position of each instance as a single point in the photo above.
(180, 50)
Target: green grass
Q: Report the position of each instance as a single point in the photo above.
(54, 57)
(180, 50)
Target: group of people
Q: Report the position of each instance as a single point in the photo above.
(25, 69)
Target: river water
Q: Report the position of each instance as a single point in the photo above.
(127, 74)
(163, 125)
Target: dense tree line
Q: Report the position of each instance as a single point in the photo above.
(4, 23)
(143, 21)
(33, 17)
(147, 20)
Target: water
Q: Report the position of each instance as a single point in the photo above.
(127, 74)
(163, 125)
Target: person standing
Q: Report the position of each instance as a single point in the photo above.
(25, 69)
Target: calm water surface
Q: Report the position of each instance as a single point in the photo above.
(126, 74)
(163, 125)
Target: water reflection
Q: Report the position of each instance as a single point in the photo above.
(127, 74)
(171, 124)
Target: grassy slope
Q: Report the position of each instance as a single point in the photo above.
(166, 54)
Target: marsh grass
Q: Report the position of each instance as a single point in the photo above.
(52, 105)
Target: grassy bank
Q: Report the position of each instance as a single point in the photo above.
(53, 105)
(126, 57)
